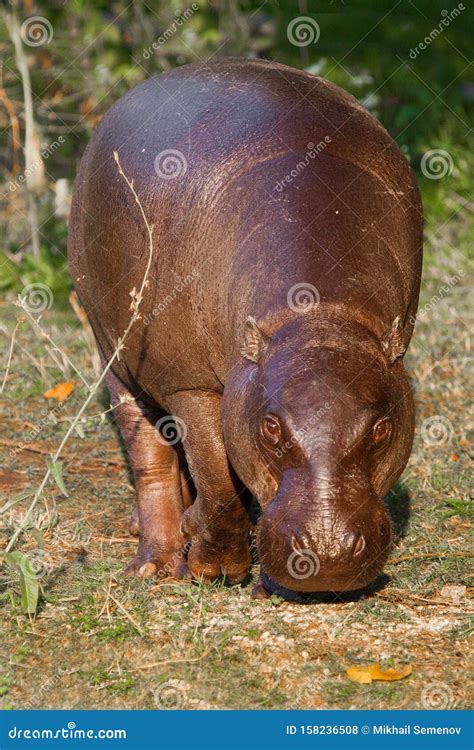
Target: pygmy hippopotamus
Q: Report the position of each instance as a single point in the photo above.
(267, 357)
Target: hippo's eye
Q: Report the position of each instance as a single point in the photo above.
(382, 430)
(270, 429)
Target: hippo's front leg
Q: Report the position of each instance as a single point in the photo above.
(218, 522)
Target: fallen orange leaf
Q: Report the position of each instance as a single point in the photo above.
(60, 391)
(365, 675)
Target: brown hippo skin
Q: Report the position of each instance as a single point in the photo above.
(287, 233)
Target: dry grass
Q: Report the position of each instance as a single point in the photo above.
(101, 639)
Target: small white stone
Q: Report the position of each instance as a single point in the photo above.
(455, 593)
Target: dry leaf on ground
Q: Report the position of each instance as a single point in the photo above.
(60, 391)
(365, 675)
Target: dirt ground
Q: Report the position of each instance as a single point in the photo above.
(101, 639)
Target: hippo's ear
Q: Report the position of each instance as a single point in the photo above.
(255, 342)
(393, 340)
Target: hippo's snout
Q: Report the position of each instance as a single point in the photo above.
(353, 543)
(323, 546)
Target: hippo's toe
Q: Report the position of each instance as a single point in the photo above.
(150, 562)
(210, 562)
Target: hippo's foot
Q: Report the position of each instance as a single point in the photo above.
(262, 590)
(210, 560)
(153, 562)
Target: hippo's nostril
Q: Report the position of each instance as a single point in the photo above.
(360, 546)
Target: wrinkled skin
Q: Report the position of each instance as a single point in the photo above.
(306, 407)
(345, 421)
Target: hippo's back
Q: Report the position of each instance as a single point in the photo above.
(235, 161)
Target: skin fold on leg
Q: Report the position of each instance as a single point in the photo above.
(187, 490)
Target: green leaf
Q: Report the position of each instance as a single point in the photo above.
(56, 469)
(38, 537)
(14, 500)
(29, 588)
(29, 585)
(13, 558)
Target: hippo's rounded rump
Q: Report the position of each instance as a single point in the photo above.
(280, 300)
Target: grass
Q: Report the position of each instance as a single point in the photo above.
(101, 639)
(198, 646)
(207, 645)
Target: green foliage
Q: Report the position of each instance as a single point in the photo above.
(98, 52)
(49, 268)
(455, 507)
(122, 685)
(56, 469)
(5, 684)
(29, 584)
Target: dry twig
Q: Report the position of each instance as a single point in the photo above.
(137, 298)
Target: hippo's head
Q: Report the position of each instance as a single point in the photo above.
(318, 423)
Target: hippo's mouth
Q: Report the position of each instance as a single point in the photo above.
(320, 549)
(312, 576)
(267, 587)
